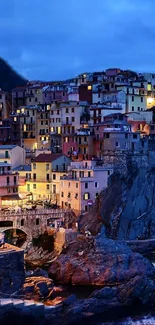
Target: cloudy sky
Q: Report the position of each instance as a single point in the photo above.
(57, 39)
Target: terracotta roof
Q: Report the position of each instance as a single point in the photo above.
(46, 157)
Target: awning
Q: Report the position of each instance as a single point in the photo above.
(14, 197)
(29, 194)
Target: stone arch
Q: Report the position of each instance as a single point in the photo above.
(25, 230)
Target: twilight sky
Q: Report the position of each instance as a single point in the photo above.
(57, 39)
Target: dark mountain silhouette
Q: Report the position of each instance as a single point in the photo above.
(9, 78)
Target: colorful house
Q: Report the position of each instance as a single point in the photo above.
(82, 185)
(46, 170)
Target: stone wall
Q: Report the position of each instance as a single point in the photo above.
(63, 237)
(12, 273)
(122, 160)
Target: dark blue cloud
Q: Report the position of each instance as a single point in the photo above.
(57, 39)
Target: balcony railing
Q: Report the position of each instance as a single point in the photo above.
(39, 180)
(90, 167)
(63, 170)
(8, 185)
(66, 123)
(70, 177)
(9, 172)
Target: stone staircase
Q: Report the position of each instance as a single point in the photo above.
(29, 305)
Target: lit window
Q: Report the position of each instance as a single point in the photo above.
(89, 87)
(59, 130)
(18, 111)
(66, 139)
(22, 110)
(150, 100)
(15, 119)
(48, 107)
(86, 196)
(149, 87)
(24, 127)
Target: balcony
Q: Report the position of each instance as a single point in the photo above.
(80, 179)
(66, 123)
(29, 95)
(84, 143)
(39, 180)
(89, 168)
(9, 172)
(8, 185)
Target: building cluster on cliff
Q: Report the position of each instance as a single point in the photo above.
(56, 137)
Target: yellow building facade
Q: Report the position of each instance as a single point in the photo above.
(42, 178)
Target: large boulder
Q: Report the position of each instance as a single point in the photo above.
(37, 287)
(121, 276)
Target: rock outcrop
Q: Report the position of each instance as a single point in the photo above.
(37, 288)
(122, 278)
(9, 79)
(99, 262)
(128, 206)
(39, 257)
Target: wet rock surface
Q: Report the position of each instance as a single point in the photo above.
(37, 256)
(123, 277)
(129, 213)
(37, 288)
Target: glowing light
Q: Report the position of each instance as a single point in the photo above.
(150, 100)
(89, 87)
(35, 145)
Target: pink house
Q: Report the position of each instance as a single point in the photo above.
(8, 185)
(69, 146)
(82, 185)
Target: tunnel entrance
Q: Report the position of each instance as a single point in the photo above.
(15, 237)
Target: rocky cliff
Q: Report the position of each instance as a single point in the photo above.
(122, 278)
(9, 79)
(128, 205)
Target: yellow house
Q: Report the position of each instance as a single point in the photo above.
(44, 182)
(24, 172)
